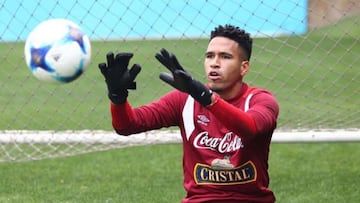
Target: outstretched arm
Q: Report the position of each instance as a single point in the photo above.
(259, 119)
(164, 112)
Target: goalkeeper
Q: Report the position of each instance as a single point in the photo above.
(226, 125)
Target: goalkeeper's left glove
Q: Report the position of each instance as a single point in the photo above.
(182, 80)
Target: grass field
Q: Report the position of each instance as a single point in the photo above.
(300, 173)
(317, 72)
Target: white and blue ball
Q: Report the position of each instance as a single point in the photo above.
(57, 50)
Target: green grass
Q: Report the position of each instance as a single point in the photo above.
(316, 72)
(321, 172)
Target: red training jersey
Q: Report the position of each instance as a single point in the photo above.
(225, 145)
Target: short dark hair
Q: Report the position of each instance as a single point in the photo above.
(235, 33)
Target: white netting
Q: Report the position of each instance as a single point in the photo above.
(16, 145)
(305, 51)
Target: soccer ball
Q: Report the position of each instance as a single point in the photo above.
(58, 51)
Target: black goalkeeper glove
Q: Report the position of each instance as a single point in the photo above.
(118, 77)
(182, 80)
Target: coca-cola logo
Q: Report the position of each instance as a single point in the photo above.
(228, 143)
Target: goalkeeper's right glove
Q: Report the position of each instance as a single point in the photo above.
(118, 77)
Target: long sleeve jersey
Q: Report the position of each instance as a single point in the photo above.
(225, 145)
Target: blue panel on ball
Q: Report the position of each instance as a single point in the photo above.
(76, 35)
(38, 58)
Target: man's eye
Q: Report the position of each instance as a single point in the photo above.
(226, 57)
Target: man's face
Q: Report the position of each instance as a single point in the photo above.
(225, 66)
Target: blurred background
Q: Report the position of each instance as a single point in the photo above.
(305, 51)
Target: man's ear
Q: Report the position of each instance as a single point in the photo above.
(245, 66)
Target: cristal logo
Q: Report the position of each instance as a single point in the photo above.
(229, 143)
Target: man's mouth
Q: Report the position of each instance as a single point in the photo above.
(213, 75)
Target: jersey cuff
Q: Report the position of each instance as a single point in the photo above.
(121, 115)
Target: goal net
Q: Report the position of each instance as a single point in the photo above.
(306, 52)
